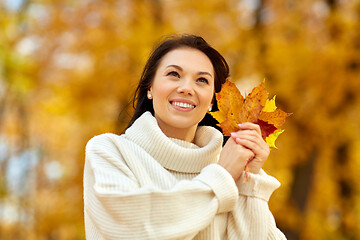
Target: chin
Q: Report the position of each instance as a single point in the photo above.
(180, 122)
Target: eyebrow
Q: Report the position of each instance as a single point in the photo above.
(181, 69)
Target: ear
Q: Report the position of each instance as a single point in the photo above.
(149, 94)
(211, 104)
(213, 100)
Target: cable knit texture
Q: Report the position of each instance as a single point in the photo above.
(144, 185)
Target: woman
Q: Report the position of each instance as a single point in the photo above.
(167, 177)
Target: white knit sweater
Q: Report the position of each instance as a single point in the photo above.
(144, 185)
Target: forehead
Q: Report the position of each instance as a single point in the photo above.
(189, 59)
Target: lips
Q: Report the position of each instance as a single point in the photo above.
(183, 103)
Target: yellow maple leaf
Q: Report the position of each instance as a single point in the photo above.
(269, 105)
(255, 108)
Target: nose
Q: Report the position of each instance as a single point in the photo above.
(186, 87)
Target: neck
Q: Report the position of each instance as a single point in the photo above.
(179, 156)
(185, 134)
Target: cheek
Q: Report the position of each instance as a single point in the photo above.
(208, 98)
(161, 91)
(205, 101)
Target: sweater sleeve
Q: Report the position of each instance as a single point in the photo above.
(251, 218)
(122, 203)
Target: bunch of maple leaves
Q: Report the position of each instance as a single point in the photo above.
(254, 108)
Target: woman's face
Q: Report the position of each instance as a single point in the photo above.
(182, 89)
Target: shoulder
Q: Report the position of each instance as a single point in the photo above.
(105, 140)
(107, 150)
(102, 138)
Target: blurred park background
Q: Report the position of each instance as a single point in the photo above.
(67, 69)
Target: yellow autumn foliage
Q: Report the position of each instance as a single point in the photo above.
(68, 68)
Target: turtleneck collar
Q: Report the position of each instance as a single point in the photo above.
(176, 154)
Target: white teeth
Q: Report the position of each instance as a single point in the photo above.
(184, 105)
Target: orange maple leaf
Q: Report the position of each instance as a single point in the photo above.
(255, 108)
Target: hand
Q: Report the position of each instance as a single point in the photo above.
(233, 158)
(249, 136)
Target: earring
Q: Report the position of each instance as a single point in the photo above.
(209, 109)
(149, 96)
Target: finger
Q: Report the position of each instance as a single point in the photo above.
(250, 135)
(251, 138)
(241, 133)
(253, 146)
(259, 148)
(247, 152)
(251, 126)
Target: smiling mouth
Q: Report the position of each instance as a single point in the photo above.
(183, 105)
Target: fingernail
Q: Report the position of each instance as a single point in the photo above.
(240, 124)
(233, 134)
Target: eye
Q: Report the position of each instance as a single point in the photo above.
(174, 73)
(204, 80)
